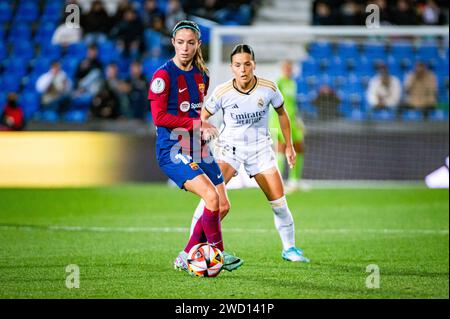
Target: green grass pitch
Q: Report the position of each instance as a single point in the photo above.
(124, 240)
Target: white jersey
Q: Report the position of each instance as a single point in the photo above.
(245, 115)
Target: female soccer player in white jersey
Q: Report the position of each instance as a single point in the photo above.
(245, 140)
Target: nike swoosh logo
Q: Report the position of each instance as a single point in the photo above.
(181, 91)
(219, 176)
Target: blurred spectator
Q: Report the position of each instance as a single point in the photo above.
(404, 14)
(136, 88)
(66, 35)
(431, 13)
(12, 118)
(107, 103)
(327, 103)
(88, 76)
(385, 12)
(397, 12)
(129, 33)
(54, 87)
(122, 7)
(96, 23)
(384, 91)
(351, 13)
(163, 36)
(211, 9)
(119, 87)
(421, 88)
(151, 10)
(174, 14)
(323, 14)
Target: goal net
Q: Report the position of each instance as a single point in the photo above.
(347, 136)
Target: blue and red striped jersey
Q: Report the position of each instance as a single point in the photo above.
(176, 98)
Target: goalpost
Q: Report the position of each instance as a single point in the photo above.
(356, 144)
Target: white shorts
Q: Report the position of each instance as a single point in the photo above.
(256, 159)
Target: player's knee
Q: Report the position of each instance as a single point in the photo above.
(224, 209)
(211, 198)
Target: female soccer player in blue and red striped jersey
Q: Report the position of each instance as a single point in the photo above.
(176, 95)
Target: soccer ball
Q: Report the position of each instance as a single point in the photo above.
(204, 260)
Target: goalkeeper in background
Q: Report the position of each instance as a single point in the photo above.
(288, 88)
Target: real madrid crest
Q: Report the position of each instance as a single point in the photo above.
(261, 102)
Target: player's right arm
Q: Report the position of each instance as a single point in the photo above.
(159, 98)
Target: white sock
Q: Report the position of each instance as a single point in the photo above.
(197, 214)
(284, 222)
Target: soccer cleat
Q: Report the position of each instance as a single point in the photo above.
(231, 262)
(180, 262)
(294, 254)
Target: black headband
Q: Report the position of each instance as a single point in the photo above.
(186, 24)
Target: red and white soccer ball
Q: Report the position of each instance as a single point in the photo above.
(204, 260)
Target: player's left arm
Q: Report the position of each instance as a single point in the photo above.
(285, 125)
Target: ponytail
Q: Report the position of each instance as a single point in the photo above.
(200, 62)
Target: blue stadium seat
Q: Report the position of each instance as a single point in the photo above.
(427, 52)
(42, 64)
(382, 115)
(5, 12)
(16, 65)
(324, 79)
(412, 115)
(52, 12)
(51, 51)
(150, 65)
(70, 65)
(438, 115)
(30, 102)
(3, 96)
(19, 32)
(152, 41)
(30, 80)
(337, 68)
(402, 50)
(364, 67)
(27, 12)
(107, 52)
(44, 33)
(77, 50)
(3, 51)
(375, 51)
(48, 116)
(321, 50)
(347, 50)
(76, 116)
(23, 50)
(357, 115)
(9, 82)
(309, 68)
(302, 86)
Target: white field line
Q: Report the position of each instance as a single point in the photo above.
(344, 231)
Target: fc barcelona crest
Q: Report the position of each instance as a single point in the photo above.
(201, 88)
(194, 166)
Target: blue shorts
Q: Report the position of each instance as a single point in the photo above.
(186, 169)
